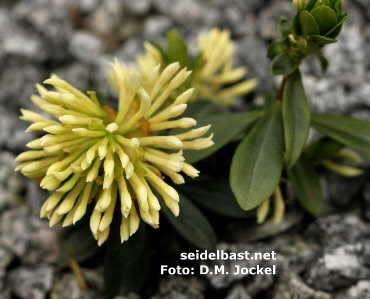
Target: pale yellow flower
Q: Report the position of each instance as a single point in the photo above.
(215, 71)
(111, 159)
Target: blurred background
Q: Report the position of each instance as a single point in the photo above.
(324, 258)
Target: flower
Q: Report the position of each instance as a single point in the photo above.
(212, 73)
(95, 155)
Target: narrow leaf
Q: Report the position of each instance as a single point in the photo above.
(333, 32)
(350, 131)
(177, 49)
(191, 223)
(323, 61)
(296, 117)
(214, 195)
(323, 40)
(258, 161)
(306, 185)
(225, 127)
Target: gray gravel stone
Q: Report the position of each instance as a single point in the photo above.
(31, 282)
(360, 290)
(68, 288)
(180, 287)
(28, 237)
(290, 285)
(238, 292)
(155, 29)
(85, 46)
(137, 7)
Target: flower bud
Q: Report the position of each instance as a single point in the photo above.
(299, 5)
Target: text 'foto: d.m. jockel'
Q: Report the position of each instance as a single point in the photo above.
(97, 155)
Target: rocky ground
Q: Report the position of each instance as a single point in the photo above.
(327, 258)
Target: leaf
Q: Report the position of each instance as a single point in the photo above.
(325, 18)
(79, 244)
(296, 25)
(310, 5)
(225, 127)
(350, 131)
(322, 40)
(333, 33)
(323, 61)
(200, 109)
(282, 64)
(177, 49)
(122, 278)
(129, 250)
(324, 148)
(296, 117)
(308, 25)
(285, 27)
(275, 47)
(306, 185)
(191, 223)
(214, 195)
(258, 161)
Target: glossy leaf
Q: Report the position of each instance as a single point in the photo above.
(285, 27)
(296, 117)
(325, 18)
(282, 64)
(306, 185)
(225, 127)
(191, 223)
(308, 25)
(214, 195)
(258, 161)
(350, 131)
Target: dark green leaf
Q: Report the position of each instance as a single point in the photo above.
(79, 244)
(177, 49)
(214, 195)
(200, 109)
(322, 40)
(306, 185)
(325, 18)
(276, 47)
(323, 61)
(350, 131)
(308, 25)
(191, 223)
(285, 27)
(296, 25)
(129, 250)
(121, 278)
(296, 117)
(333, 33)
(338, 8)
(310, 5)
(282, 64)
(324, 148)
(258, 161)
(225, 127)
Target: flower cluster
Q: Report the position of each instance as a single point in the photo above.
(213, 73)
(109, 158)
